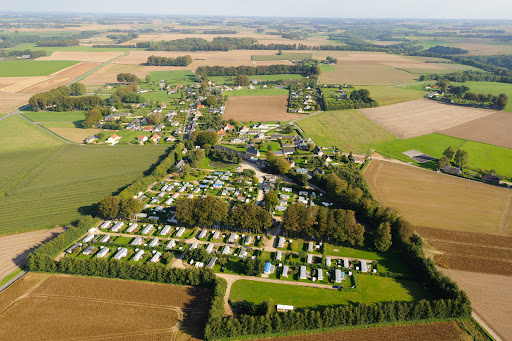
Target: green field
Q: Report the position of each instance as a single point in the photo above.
(284, 56)
(45, 182)
(494, 88)
(183, 77)
(372, 289)
(22, 68)
(386, 95)
(481, 155)
(346, 129)
(326, 67)
(53, 116)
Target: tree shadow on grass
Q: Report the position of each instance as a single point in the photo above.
(195, 312)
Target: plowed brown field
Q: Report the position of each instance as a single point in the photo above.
(448, 331)
(62, 307)
(258, 108)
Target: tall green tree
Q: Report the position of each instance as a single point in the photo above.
(449, 152)
(77, 89)
(110, 206)
(270, 199)
(461, 158)
(383, 237)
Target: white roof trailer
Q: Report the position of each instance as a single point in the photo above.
(156, 257)
(209, 248)
(123, 252)
(153, 242)
(211, 263)
(117, 226)
(320, 274)
(247, 240)
(203, 233)
(285, 271)
(226, 250)
(216, 235)
(328, 261)
(138, 255)
(147, 229)
(88, 238)
(165, 230)
(337, 276)
(193, 246)
(364, 266)
(302, 272)
(171, 244)
(310, 246)
(309, 259)
(105, 225)
(280, 243)
(180, 232)
(103, 252)
(137, 241)
(105, 238)
(346, 263)
(279, 255)
(132, 228)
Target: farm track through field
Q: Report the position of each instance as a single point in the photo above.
(26, 294)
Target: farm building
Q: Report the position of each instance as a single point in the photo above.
(193, 246)
(279, 255)
(280, 243)
(452, 170)
(337, 276)
(132, 228)
(226, 250)
(106, 225)
(171, 244)
(105, 238)
(147, 229)
(284, 308)
(88, 238)
(248, 240)
(103, 252)
(216, 235)
(209, 248)
(180, 232)
(203, 233)
(165, 230)
(284, 273)
(233, 237)
(310, 246)
(309, 259)
(153, 242)
(320, 274)
(253, 152)
(269, 268)
(211, 263)
(117, 226)
(364, 266)
(123, 252)
(328, 261)
(88, 251)
(302, 272)
(491, 178)
(138, 255)
(346, 263)
(156, 257)
(137, 241)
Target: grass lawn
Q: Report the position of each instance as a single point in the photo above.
(326, 67)
(213, 164)
(491, 88)
(61, 125)
(22, 68)
(53, 116)
(346, 129)
(283, 56)
(372, 289)
(257, 92)
(158, 96)
(487, 156)
(174, 77)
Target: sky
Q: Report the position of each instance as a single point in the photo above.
(444, 9)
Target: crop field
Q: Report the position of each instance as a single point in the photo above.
(283, 56)
(345, 129)
(17, 133)
(386, 95)
(12, 101)
(372, 74)
(108, 74)
(444, 331)
(21, 68)
(16, 247)
(72, 134)
(442, 201)
(84, 54)
(53, 302)
(422, 117)
(492, 129)
(490, 297)
(54, 116)
(258, 108)
(372, 289)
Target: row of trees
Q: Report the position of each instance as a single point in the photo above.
(358, 99)
(58, 43)
(128, 78)
(168, 61)
(60, 99)
(463, 92)
(206, 71)
(115, 207)
(95, 115)
(338, 226)
(211, 210)
(18, 53)
(460, 158)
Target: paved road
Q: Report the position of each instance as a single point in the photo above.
(484, 325)
(12, 280)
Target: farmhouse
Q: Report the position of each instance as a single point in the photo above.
(113, 139)
(318, 151)
(142, 138)
(302, 272)
(123, 252)
(103, 252)
(156, 257)
(253, 151)
(138, 255)
(491, 178)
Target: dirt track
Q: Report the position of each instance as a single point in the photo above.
(15, 248)
(422, 117)
(491, 298)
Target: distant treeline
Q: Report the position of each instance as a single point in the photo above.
(168, 61)
(59, 99)
(58, 43)
(121, 38)
(9, 40)
(112, 46)
(206, 71)
(18, 53)
(446, 50)
(220, 32)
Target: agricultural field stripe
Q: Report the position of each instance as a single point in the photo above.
(98, 67)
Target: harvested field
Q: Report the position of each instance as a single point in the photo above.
(461, 237)
(48, 84)
(229, 58)
(57, 300)
(437, 200)
(422, 117)
(258, 108)
(448, 331)
(77, 135)
(492, 129)
(491, 298)
(15, 84)
(108, 74)
(16, 247)
(97, 57)
(371, 74)
(10, 102)
(474, 264)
